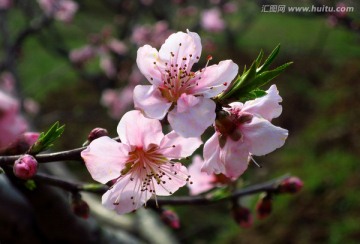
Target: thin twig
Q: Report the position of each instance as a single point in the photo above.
(269, 186)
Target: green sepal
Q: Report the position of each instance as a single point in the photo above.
(30, 185)
(46, 139)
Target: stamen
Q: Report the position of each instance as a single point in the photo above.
(252, 159)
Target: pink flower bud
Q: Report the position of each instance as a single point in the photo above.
(25, 167)
(97, 133)
(264, 207)
(291, 185)
(242, 216)
(171, 219)
(80, 208)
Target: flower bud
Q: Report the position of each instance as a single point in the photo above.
(263, 207)
(80, 207)
(170, 218)
(25, 167)
(97, 133)
(242, 216)
(290, 185)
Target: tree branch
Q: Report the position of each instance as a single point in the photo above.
(269, 186)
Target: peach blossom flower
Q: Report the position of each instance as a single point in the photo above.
(251, 134)
(142, 164)
(175, 89)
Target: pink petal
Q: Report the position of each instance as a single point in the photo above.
(175, 146)
(126, 195)
(201, 182)
(149, 100)
(182, 45)
(212, 163)
(262, 136)
(235, 156)
(136, 130)
(267, 106)
(176, 176)
(185, 102)
(215, 78)
(194, 121)
(146, 56)
(105, 158)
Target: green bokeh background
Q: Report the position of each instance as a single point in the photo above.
(321, 110)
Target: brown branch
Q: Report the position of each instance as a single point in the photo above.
(269, 186)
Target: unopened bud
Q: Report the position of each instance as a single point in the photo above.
(264, 207)
(242, 216)
(97, 133)
(80, 207)
(171, 219)
(290, 185)
(25, 167)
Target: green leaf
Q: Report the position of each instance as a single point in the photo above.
(46, 139)
(259, 58)
(270, 59)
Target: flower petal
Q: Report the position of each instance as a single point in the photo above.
(201, 181)
(193, 121)
(136, 130)
(235, 156)
(181, 45)
(212, 163)
(215, 78)
(267, 106)
(175, 146)
(146, 56)
(262, 136)
(105, 158)
(176, 176)
(149, 100)
(125, 196)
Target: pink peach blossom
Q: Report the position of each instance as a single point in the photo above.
(252, 134)
(142, 164)
(175, 89)
(212, 21)
(62, 10)
(201, 182)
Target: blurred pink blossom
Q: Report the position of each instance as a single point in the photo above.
(12, 125)
(6, 4)
(62, 10)
(211, 20)
(176, 90)
(142, 164)
(117, 101)
(152, 35)
(7, 82)
(82, 54)
(31, 106)
(230, 7)
(247, 131)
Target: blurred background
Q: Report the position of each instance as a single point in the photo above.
(75, 62)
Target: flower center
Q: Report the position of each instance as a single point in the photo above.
(177, 77)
